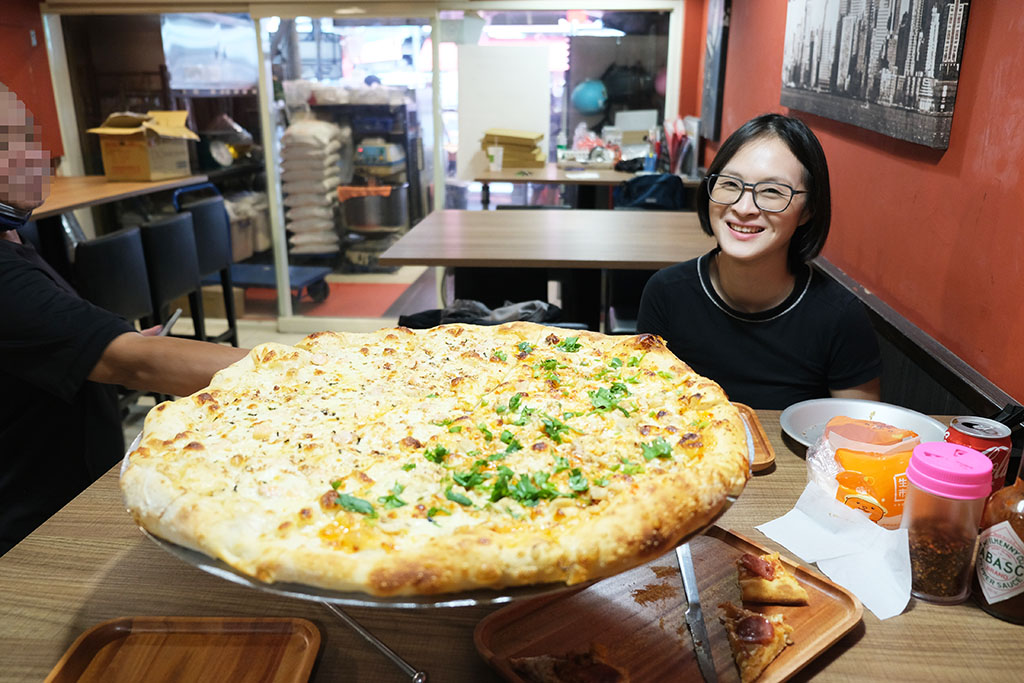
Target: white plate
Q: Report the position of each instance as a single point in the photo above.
(805, 421)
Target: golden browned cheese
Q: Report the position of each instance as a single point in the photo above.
(406, 462)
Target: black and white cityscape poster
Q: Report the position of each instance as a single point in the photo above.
(891, 66)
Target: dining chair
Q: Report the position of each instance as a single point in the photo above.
(169, 245)
(110, 271)
(29, 234)
(623, 288)
(212, 229)
(495, 286)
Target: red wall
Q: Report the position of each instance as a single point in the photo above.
(24, 68)
(695, 22)
(938, 235)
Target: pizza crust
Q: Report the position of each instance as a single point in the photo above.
(322, 463)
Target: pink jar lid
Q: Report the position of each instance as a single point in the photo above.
(950, 470)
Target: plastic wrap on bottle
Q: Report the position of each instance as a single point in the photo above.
(864, 464)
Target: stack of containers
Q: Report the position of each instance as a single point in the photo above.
(310, 176)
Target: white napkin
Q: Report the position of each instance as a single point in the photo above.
(871, 562)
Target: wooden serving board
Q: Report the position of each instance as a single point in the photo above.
(636, 619)
(194, 649)
(764, 454)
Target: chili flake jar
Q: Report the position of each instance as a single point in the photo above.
(948, 485)
(999, 579)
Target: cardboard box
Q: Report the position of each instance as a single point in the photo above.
(150, 146)
(242, 238)
(213, 303)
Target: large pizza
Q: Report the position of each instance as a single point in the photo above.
(406, 462)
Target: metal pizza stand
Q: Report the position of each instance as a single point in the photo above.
(334, 600)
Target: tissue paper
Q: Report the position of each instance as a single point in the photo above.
(871, 562)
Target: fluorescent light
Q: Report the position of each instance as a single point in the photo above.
(519, 31)
(350, 10)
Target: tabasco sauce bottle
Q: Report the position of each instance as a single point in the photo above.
(999, 571)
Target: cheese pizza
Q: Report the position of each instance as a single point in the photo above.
(406, 462)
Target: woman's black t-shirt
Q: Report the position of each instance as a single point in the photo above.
(819, 338)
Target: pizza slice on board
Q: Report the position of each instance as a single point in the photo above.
(755, 639)
(765, 579)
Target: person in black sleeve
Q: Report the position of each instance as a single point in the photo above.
(60, 356)
(752, 314)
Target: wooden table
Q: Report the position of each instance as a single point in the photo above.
(78, 192)
(89, 563)
(579, 245)
(587, 182)
(551, 174)
(551, 239)
(586, 179)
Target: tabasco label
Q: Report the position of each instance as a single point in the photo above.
(1000, 563)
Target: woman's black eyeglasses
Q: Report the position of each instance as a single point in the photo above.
(768, 196)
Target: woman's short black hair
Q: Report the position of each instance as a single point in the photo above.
(810, 237)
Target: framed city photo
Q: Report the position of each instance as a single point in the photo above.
(714, 68)
(891, 66)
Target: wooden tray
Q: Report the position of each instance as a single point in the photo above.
(764, 454)
(194, 649)
(637, 618)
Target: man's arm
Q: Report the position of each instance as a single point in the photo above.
(165, 365)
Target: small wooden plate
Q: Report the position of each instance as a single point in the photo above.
(636, 619)
(194, 649)
(764, 454)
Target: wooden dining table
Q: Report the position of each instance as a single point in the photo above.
(90, 563)
(597, 239)
(581, 244)
(594, 185)
(68, 193)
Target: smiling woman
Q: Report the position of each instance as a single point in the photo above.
(752, 314)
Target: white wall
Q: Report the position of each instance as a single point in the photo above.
(500, 87)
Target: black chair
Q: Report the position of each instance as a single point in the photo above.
(169, 245)
(110, 271)
(623, 288)
(212, 229)
(29, 234)
(494, 286)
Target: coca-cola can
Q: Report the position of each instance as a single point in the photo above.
(986, 436)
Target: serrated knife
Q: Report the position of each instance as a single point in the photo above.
(695, 616)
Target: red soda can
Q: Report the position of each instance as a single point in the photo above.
(986, 436)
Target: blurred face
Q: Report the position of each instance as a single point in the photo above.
(745, 232)
(24, 165)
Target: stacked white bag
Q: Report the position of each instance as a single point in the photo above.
(310, 177)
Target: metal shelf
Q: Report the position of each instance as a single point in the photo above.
(214, 92)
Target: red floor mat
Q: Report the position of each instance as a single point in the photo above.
(346, 300)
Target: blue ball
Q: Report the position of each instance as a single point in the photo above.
(589, 97)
